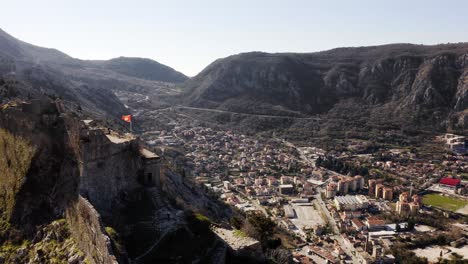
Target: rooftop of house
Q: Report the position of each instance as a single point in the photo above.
(375, 221)
(323, 253)
(351, 199)
(358, 223)
(450, 181)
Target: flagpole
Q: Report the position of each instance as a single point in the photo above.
(128, 119)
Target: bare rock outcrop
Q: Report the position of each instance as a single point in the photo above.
(405, 83)
(89, 233)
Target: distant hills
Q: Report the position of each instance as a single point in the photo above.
(37, 70)
(402, 84)
(143, 69)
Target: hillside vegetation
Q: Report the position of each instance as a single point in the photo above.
(15, 159)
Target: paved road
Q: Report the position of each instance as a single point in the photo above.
(302, 155)
(237, 113)
(324, 208)
(334, 227)
(255, 203)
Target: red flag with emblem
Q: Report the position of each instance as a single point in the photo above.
(127, 118)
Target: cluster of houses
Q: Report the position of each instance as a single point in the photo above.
(455, 143)
(262, 187)
(224, 160)
(219, 154)
(368, 234)
(255, 175)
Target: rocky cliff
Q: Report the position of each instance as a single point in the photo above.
(110, 165)
(88, 84)
(40, 170)
(404, 83)
(40, 165)
(87, 230)
(70, 182)
(148, 205)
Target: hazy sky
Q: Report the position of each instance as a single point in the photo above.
(188, 35)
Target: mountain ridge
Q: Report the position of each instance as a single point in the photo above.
(409, 79)
(19, 49)
(27, 70)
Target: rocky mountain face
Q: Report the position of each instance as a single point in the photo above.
(39, 166)
(40, 179)
(403, 82)
(102, 194)
(75, 190)
(88, 84)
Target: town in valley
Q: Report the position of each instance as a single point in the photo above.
(352, 205)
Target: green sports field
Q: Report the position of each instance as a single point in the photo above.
(444, 202)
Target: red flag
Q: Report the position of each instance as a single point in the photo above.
(127, 118)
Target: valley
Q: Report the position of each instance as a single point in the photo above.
(281, 179)
(351, 155)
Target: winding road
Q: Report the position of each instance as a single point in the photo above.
(236, 113)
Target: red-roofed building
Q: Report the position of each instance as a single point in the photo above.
(375, 223)
(319, 254)
(451, 183)
(358, 224)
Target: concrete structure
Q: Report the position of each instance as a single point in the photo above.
(359, 182)
(285, 180)
(330, 192)
(375, 223)
(272, 181)
(227, 185)
(321, 255)
(316, 182)
(240, 246)
(345, 215)
(387, 193)
(455, 143)
(358, 224)
(353, 184)
(372, 184)
(300, 200)
(286, 189)
(449, 183)
(379, 190)
(343, 186)
(351, 203)
(406, 207)
(289, 211)
(112, 164)
(414, 208)
(151, 167)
